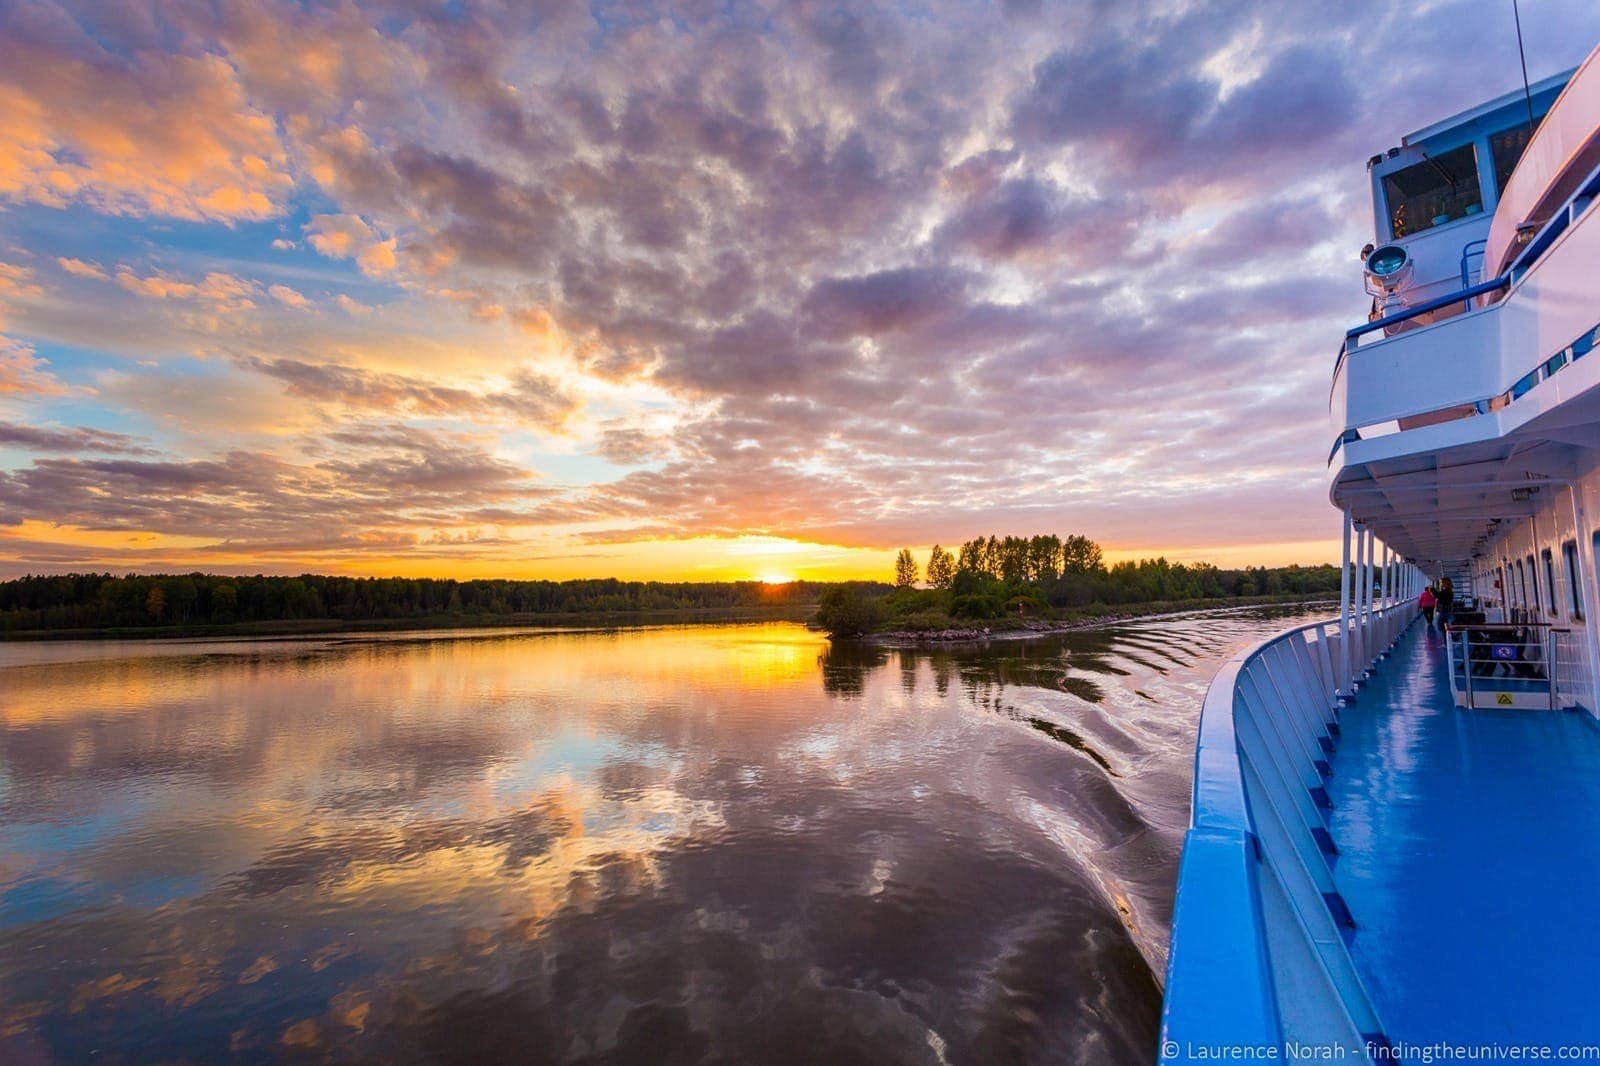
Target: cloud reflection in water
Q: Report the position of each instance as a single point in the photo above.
(708, 844)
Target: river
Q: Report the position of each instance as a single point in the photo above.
(718, 844)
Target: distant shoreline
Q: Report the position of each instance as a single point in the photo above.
(316, 627)
(994, 629)
(1083, 618)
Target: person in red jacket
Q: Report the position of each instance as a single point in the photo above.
(1427, 601)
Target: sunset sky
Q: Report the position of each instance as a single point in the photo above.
(698, 289)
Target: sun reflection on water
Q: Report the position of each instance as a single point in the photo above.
(707, 837)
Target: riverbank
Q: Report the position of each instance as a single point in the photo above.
(949, 632)
(1082, 618)
(311, 627)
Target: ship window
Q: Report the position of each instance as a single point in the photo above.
(1434, 191)
(1585, 344)
(1569, 552)
(1505, 148)
(1533, 584)
(1550, 578)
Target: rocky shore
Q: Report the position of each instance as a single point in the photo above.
(1011, 631)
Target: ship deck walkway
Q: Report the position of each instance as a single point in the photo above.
(1469, 856)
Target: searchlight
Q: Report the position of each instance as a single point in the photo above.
(1389, 271)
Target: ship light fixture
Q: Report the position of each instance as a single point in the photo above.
(1389, 267)
(1389, 270)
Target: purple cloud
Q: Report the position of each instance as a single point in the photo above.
(845, 272)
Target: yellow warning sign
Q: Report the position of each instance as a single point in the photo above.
(1504, 699)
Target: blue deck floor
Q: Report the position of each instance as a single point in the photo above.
(1470, 857)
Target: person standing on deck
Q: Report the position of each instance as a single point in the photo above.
(1446, 598)
(1427, 602)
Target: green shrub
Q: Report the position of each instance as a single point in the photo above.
(845, 612)
(1027, 603)
(913, 601)
(975, 605)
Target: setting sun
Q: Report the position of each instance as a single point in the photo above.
(775, 579)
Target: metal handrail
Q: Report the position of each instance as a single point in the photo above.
(1548, 660)
(1502, 625)
(1467, 252)
(1357, 332)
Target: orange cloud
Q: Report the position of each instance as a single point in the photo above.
(216, 287)
(288, 297)
(23, 373)
(150, 134)
(349, 237)
(82, 269)
(17, 281)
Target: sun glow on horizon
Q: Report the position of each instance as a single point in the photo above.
(773, 561)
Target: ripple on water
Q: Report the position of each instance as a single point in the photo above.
(695, 844)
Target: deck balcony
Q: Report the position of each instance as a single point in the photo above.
(1485, 373)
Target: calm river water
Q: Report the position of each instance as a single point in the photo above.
(725, 844)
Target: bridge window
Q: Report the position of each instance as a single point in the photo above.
(1434, 191)
(1505, 148)
(1533, 584)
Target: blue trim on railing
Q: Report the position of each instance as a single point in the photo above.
(1426, 306)
(1468, 250)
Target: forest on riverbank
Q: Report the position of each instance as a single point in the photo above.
(988, 582)
(182, 603)
(1016, 582)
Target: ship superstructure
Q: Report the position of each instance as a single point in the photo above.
(1395, 824)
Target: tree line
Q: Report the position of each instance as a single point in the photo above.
(107, 601)
(1042, 576)
(1035, 560)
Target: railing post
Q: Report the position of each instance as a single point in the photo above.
(1388, 578)
(1369, 542)
(1361, 600)
(1381, 578)
(1450, 665)
(1344, 614)
(1550, 665)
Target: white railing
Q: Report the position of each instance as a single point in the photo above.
(1483, 657)
(1259, 958)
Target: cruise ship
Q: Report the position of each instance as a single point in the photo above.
(1395, 837)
